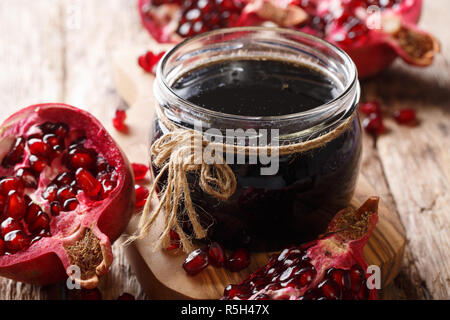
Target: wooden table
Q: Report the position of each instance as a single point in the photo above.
(59, 51)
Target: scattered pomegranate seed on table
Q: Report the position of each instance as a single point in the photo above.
(374, 125)
(119, 120)
(141, 195)
(140, 171)
(405, 116)
(195, 262)
(149, 60)
(216, 255)
(370, 107)
(239, 260)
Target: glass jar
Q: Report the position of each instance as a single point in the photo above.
(267, 212)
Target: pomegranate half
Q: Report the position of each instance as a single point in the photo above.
(372, 32)
(66, 193)
(330, 268)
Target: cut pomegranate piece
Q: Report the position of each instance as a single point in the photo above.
(49, 158)
(332, 267)
(139, 170)
(141, 195)
(373, 38)
(239, 260)
(216, 255)
(195, 262)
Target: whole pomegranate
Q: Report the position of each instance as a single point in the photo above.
(372, 32)
(66, 193)
(331, 268)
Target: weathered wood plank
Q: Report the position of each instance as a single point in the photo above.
(415, 162)
(31, 72)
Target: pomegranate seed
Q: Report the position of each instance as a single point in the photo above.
(149, 60)
(2, 247)
(216, 255)
(54, 142)
(37, 164)
(405, 116)
(70, 204)
(27, 177)
(66, 193)
(330, 289)
(61, 129)
(33, 211)
(41, 222)
(370, 107)
(174, 241)
(50, 193)
(15, 206)
(9, 225)
(15, 155)
(306, 276)
(64, 179)
(374, 125)
(239, 259)
(196, 261)
(11, 184)
(39, 148)
(81, 158)
(341, 277)
(234, 290)
(139, 170)
(357, 278)
(55, 208)
(141, 195)
(87, 182)
(91, 294)
(16, 241)
(126, 296)
(119, 120)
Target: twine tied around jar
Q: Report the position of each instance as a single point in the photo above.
(179, 152)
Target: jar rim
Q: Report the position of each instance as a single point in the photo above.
(329, 105)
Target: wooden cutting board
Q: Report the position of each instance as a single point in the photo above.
(160, 272)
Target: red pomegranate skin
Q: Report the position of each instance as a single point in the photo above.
(46, 261)
(340, 248)
(373, 53)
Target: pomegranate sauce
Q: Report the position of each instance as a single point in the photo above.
(294, 205)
